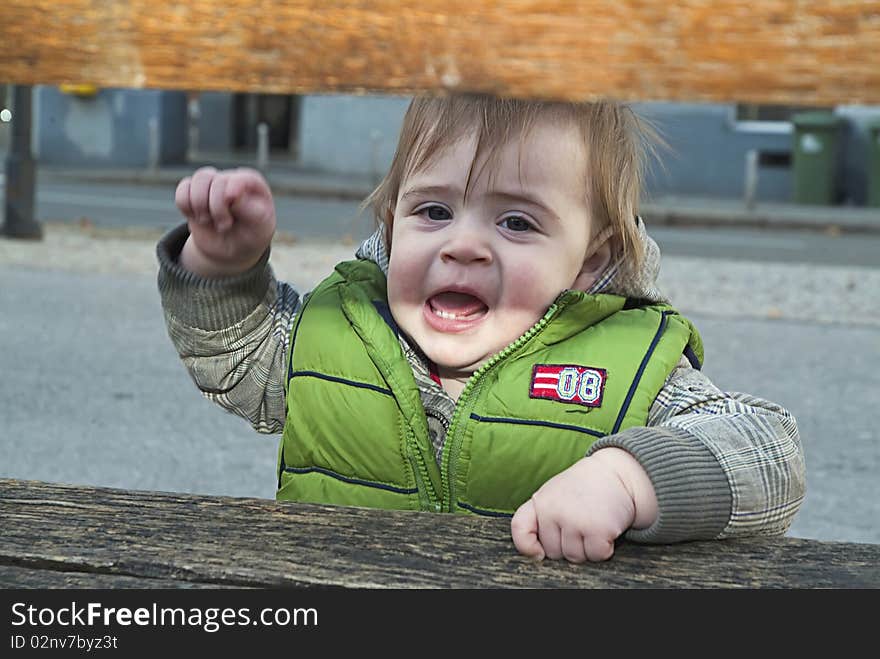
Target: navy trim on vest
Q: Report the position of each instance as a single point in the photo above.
(692, 357)
(384, 310)
(281, 467)
(333, 378)
(485, 513)
(306, 300)
(531, 422)
(353, 481)
(635, 383)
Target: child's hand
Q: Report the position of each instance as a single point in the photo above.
(580, 512)
(231, 219)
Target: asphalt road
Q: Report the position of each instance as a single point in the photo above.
(126, 205)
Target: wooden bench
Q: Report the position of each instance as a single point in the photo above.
(798, 52)
(71, 536)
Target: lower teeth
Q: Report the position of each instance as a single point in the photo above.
(447, 315)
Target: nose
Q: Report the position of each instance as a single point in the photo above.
(466, 243)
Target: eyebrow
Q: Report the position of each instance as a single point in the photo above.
(432, 190)
(514, 197)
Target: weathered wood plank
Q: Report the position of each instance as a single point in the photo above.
(251, 542)
(48, 578)
(819, 52)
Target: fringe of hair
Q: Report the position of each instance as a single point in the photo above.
(617, 143)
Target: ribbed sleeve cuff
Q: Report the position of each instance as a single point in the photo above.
(206, 303)
(693, 494)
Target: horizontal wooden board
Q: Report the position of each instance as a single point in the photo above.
(202, 540)
(42, 579)
(805, 52)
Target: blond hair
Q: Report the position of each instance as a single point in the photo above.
(617, 143)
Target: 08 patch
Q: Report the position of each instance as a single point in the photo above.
(568, 383)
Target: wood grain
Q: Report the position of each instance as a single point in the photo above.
(19, 577)
(806, 52)
(95, 536)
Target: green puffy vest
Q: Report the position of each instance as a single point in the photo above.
(356, 432)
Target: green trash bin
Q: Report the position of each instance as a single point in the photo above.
(873, 197)
(816, 143)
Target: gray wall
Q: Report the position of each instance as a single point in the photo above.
(215, 122)
(110, 128)
(707, 153)
(358, 134)
(350, 134)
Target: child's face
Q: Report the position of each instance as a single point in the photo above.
(469, 276)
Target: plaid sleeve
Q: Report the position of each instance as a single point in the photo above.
(722, 464)
(230, 333)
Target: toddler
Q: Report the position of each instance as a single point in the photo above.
(497, 347)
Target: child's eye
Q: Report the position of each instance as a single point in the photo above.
(434, 212)
(516, 223)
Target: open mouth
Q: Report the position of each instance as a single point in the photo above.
(453, 310)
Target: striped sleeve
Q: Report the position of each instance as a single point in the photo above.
(722, 464)
(230, 333)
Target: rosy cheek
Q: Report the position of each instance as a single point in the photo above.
(527, 290)
(404, 276)
(408, 264)
(395, 286)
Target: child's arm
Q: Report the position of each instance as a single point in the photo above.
(229, 326)
(719, 464)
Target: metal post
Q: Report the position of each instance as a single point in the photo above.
(153, 144)
(751, 178)
(263, 146)
(19, 207)
(194, 113)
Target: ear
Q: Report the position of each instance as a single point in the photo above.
(596, 260)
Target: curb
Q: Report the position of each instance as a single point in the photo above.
(280, 183)
(721, 213)
(833, 222)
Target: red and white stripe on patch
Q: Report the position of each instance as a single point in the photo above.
(568, 383)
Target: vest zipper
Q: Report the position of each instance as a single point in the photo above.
(427, 494)
(452, 445)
